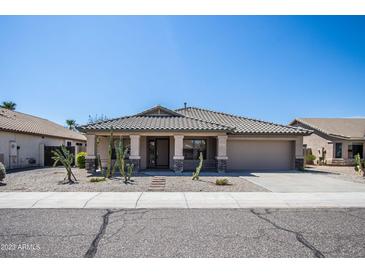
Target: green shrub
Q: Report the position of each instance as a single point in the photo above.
(221, 182)
(2, 172)
(80, 159)
(358, 164)
(97, 179)
(310, 158)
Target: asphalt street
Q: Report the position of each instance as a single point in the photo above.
(182, 233)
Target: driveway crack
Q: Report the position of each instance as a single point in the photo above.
(300, 238)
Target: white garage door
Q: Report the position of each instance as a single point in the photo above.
(259, 155)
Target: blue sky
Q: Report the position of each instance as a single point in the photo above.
(270, 68)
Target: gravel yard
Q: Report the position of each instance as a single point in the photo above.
(51, 180)
(342, 172)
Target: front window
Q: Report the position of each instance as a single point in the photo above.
(126, 146)
(193, 147)
(355, 149)
(338, 153)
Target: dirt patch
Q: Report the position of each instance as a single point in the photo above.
(347, 173)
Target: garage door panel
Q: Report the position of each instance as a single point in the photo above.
(259, 155)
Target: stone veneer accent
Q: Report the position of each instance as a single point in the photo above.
(221, 166)
(299, 163)
(90, 164)
(178, 165)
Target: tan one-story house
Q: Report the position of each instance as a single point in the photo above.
(28, 141)
(160, 138)
(336, 140)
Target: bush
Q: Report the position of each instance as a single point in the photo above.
(2, 172)
(310, 158)
(80, 159)
(221, 182)
(97, 179)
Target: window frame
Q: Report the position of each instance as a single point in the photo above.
(196, 154)
(340, 152)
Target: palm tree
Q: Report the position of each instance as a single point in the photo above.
(71, 124)
(9, 105)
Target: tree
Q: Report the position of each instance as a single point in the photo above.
(9, 105)
(96, 118)
(71, 124)
(66, 158)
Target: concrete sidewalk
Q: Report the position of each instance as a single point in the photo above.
(180, 200)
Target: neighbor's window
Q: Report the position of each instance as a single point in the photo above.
(193, 147)
(338, 152)
(356, 149)
(69, 143)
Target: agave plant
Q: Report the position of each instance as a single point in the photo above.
(66, 158)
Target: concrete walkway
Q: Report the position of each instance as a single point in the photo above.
(180, 200)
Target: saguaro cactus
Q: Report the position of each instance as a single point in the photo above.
(196, 174)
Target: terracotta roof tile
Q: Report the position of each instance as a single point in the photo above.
(23, 123)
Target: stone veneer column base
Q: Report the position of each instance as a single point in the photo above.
(221, 165)
(299, 163)
(178, 165)
(90, 164)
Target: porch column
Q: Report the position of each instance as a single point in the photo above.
(179, 156)
(222, 153)
(77, 150)
(299, 155)
(345, 151)
(41, 155)
(135, 156)
(90, 159)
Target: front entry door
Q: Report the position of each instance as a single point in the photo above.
(158, 149)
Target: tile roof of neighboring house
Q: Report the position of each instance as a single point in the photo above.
(193, 119)
(348, 128)
(23, 123)
(241, 125)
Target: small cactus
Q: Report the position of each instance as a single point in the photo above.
(196, 174)
(2, 172)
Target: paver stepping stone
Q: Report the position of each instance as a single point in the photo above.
(157, 184)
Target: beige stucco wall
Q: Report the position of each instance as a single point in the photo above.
(29, 148)
(277, 152)
(315, 143)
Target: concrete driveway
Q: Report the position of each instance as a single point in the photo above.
(297, 182)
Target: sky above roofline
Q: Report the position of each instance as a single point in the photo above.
(272, 68)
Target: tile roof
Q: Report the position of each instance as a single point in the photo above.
(241, 125)
(135, 123)
(348, 128)
(192, 119)
(23, 123)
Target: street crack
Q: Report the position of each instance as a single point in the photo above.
(94, 244)
(300, 238)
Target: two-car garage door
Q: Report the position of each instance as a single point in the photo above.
(259, 155)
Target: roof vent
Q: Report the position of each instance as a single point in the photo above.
(185, 104)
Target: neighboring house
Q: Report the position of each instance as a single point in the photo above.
(340, 138)
(163, 138)
(26, 140)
